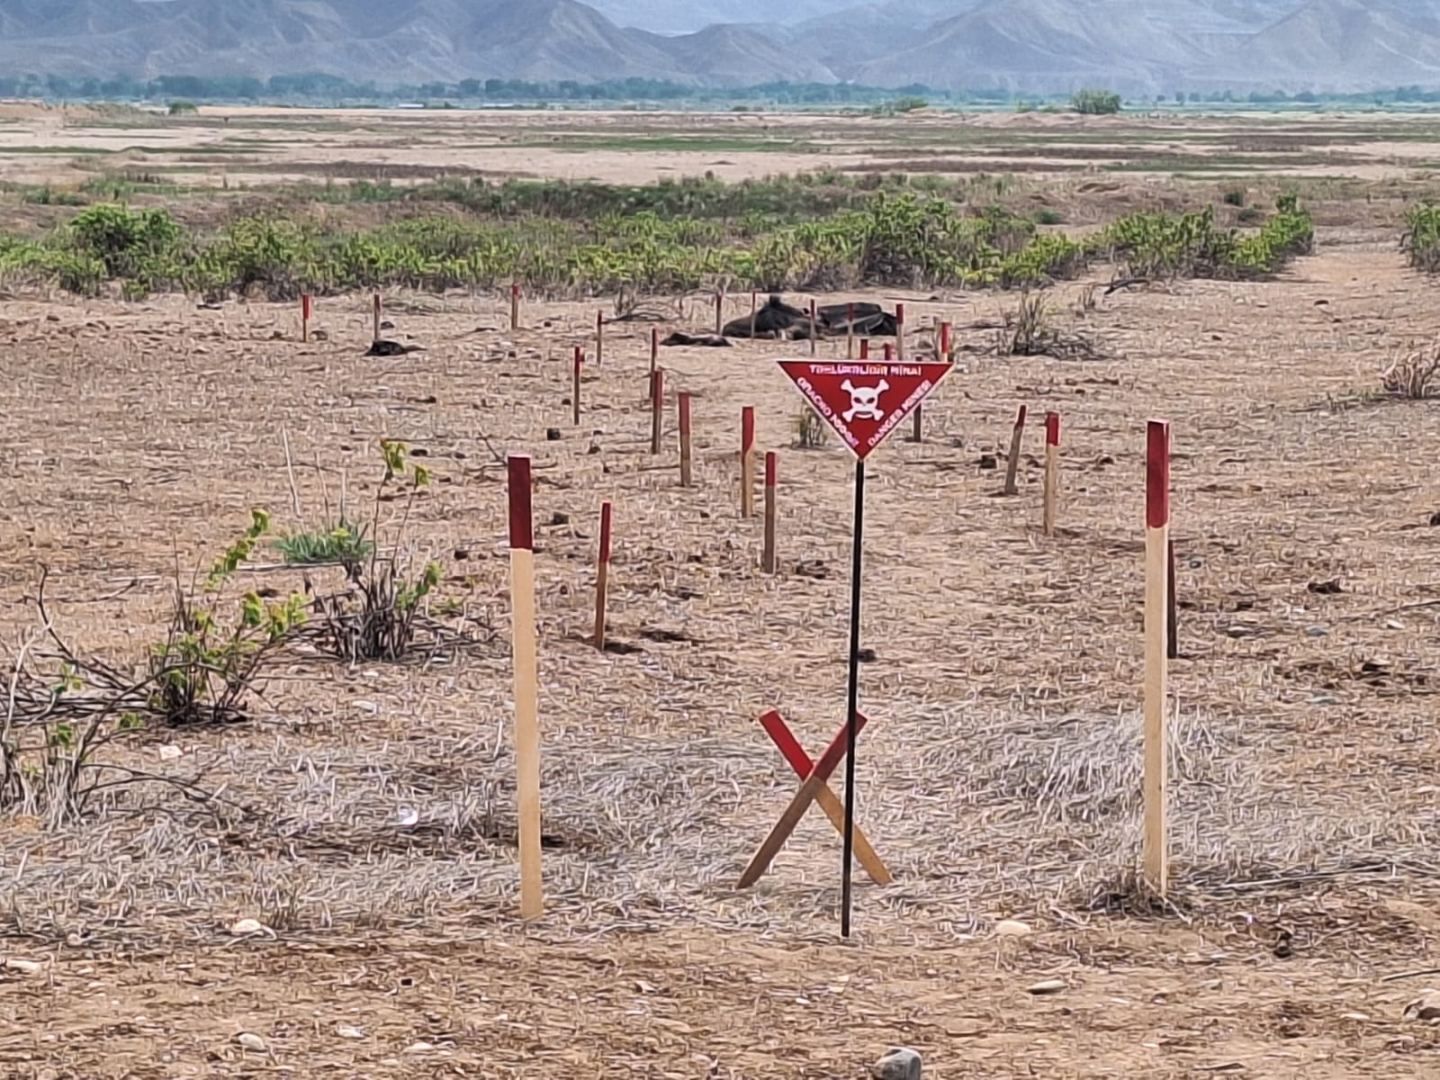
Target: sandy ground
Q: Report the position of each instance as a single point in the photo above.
(999, 778)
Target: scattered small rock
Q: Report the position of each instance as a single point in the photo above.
(345, 1031)
(1425, 1008)
(420, 1047)
(366, 707)
(1326, 588)
(989, 462)
(552, 434)
(1012, 928)
(1048, 986)
(248, 1040)
(460, 554)
(1316, 631)
(1435, 519)
(901, 1063)
(24, 967)
(865, 656)
(169, 752)
(248, 927)
(385, 347)
(559, 518)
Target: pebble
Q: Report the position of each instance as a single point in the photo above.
(24, 967)
(1012, 928)
(901, 1063)
(1425, 1008)
(247, 927)
(248, 1040)
(345, 1031)
(421, 1047)
(1316, 631)
(366, 706)
(1049, 986)
(169, 752)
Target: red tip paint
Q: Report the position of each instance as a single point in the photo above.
(1020, 416)
(522, 532)
(579, 358)
(889, 352)
(605, 532)
(657, 388)
(865, 348)
(944, 340)
(772, 468)
(515, 290)
(1052, 429)
(1157, 474)
(307, 306)
(747, 429)
(900, 314)
(685, 413)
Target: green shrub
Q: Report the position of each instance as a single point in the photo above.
(1096, 102)
(1422, 237)
(345, 543)
(1190, 245)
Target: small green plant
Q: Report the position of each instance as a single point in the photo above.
(344, 543)
(1250, 215)
(1421, 240)
(1096, 102)
(810, 431)
(1049, 216)
(183, 108)
(1027, 330)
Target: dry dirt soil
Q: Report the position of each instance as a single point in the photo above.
(365, 814)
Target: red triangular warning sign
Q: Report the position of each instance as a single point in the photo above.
(865, 400)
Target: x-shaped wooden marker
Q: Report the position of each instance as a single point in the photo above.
(814, 788)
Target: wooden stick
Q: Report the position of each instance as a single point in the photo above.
(850, 331)
(290, 472)
(1172, 616)
(602, 576)
(307, 307)
(685, 453)
(754, 310)
(515, 306)
(814, 329)
(767, 557)
(654, 347)
(1052, 470)
(889, 353)
(599, 337)
(946, 353)
(1157, 546)
(900, 332)
(657, 407)
(575, 385)
(527, 681)
(720, 312)
(379, 306)
(1012, 464)
(826, 798)
(865, 348)
(747, 461)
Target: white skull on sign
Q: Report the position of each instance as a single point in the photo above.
(865, 400)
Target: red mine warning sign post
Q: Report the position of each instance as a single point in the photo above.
(864, 402)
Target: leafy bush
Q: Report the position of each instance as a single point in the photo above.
(1190, 245)
(1422, 237)
(183, 108)
(1096, 102)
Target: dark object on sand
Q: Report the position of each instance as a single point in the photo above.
(777, 320)
(384, 347)
(680, 337)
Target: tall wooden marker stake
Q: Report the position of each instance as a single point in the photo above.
(1012, 463)
(575, 385)
(900, 332)
(850, 331)
(814, 329)
(1052, 470)
(754, 311)
(1172, 616)
(685, 470)
(379, 306)
(527, 678)
(747, 461)
(515, 306)
(877, 399)
(1157, 548)
(657, 406)
(602, 576)
(945, 353)
(767, 558)
(599, 337)
(307, 308)
(654, 347)
(719, 312)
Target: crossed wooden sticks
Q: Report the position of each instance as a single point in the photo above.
(814, 787)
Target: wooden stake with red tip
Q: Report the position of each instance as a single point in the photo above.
(599, 337)
(850, 331)
(767, 557)
(754, 311)
(657, 407)
(527, 682)
(865, 348)
(889, 352)
(1052, 471)
(515, 306)
(1012, 463)
(747, 461)
(720, 312)
(379, 306)
(900, 332)
(685, 452)
(814, 329)
(575, 385)
(1156, 855)
(602, 576)
(654, 347)
(307, 308)
(944, 350)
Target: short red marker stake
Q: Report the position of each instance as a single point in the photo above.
(814, 328)
(747, 461)
(1155, 851)
(865, 348)
(945, 353)
(575, 385)
(889, 353)
(657, 407)
(754, 311)
(772, 469)
(515, 306)
(719, 313)
(654, 347)
(1012, 463)
(602, 575)
(527, 681)
(1052, 472)
(683, 403)
(900, 332)
(850, 331)
(599, 338)
(307, 308)
(379, 314)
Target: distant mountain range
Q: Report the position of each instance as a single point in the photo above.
(1137, 47)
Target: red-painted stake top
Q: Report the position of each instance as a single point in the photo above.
(605, 518)
(1157, 474)
(747, 428)
(522, 528)
(1052, 429)
(863, 402)
(1020, 416)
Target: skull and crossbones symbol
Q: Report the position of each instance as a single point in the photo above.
(864, 400)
